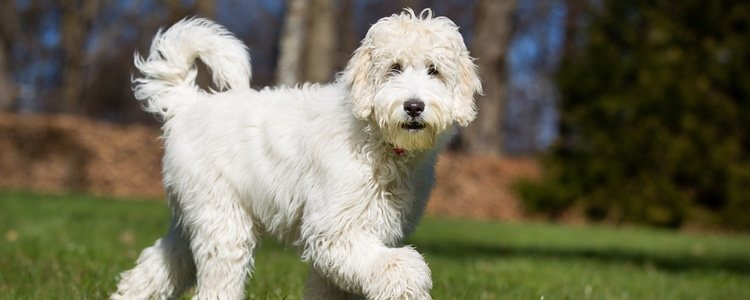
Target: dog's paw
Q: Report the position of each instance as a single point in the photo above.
(399, 273)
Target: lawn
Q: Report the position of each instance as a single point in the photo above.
(73, 247)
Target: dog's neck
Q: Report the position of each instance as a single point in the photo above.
(388, 152)
(379, 151)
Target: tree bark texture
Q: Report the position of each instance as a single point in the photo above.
(292, 42)
(492, 29)
(321, 42)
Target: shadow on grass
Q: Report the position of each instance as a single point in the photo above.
(667, 262)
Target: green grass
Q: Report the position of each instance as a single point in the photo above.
(73, 247)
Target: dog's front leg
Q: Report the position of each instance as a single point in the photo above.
(362, 264)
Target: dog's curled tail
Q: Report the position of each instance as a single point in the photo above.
(169, 71)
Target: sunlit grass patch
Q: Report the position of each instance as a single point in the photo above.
(74, 247)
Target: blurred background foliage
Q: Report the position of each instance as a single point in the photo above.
(638, 110)
(655, 115)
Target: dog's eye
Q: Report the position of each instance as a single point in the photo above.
(432, 71)
(395, 68)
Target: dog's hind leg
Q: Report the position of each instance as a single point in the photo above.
(222, 238)
(163, 271)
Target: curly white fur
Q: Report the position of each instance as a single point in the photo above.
(340, 170)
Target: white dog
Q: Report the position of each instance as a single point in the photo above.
(341, 171)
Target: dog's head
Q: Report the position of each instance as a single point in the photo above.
(413, 76)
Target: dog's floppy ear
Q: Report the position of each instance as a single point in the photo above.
(358, 79)
(467, 86)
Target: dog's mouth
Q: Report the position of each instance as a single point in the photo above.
(413, 125)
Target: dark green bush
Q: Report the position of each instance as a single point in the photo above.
(655, 116)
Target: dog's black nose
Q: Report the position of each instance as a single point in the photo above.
(413, 107)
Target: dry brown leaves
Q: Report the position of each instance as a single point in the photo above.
(63, 153)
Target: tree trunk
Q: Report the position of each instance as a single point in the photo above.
(321, 43)
(9, 34)
(76, 20)
(292, 42)
(348, 32)
(7, 87)
(410, 4)
(492, 28)
(206, 8)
